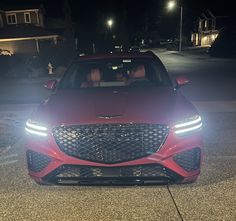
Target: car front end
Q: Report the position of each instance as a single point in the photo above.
(119, 134)
(115, 152)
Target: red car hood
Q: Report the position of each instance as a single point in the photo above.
(89, 106)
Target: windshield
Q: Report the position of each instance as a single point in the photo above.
(115, 73)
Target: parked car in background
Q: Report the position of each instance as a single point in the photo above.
(134, 48)
(117, 48)
(115, 118)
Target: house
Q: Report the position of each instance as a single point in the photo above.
(207, 29)
(22, 29)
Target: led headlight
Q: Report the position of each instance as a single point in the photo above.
(188, 125)
(33, 127)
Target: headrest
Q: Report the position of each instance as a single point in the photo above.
(94, 75)
(138, 72)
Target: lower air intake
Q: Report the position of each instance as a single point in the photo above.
(37, 161)
(189, 160)
(133, 172)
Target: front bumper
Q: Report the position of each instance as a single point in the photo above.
(178, 160)
(87, 174)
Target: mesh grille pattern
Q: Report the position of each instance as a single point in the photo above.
(37, 161)
(110, 143)
(69, 171)
(189, 160)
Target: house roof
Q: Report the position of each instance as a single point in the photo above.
(24, 31)
(16, 7)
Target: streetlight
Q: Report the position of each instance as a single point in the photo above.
(109, 23)
(170, 6)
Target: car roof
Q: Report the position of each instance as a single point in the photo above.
(147, 54)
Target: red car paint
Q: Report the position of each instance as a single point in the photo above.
(161, 105)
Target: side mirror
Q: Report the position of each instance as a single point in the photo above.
(181, 80)
(50, 85)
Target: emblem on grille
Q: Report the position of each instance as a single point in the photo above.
(109, 116)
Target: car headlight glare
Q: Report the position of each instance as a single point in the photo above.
(33, 127)
(188, 125)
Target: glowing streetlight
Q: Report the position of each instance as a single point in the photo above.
(170, 6)
(110, 23)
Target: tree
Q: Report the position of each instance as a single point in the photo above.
(69, 30)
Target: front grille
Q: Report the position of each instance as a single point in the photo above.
(37, 161)
(189, 160)
(110, 143)
(136, 172)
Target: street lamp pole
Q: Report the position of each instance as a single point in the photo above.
(171, 5)
(180, 28)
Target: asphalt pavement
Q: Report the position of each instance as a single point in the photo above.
(212, 197)
(212, 79)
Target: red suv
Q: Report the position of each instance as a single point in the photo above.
(115, 118)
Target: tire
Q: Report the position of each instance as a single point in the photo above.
(40, 182)
(189, 181)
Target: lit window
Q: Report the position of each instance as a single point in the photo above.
(11, 19)
(192, 37)
(197, 39)
(200, 24)
(27, 18)
(205, 23)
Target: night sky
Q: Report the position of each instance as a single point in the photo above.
(109, 6)
(86, 8)
(83, 8)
